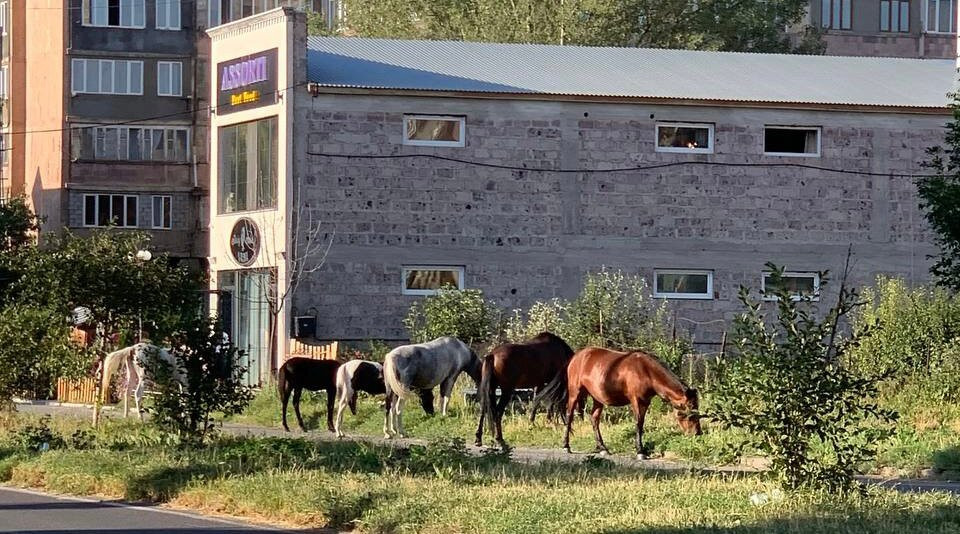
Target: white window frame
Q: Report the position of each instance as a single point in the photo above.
(899, 11)
(94, 130)
(927, 23)
(793, 154)
(82, 64)
(169, 91)
(164, 224)
(87, 10)
(682, 150)
(684, 296)
(815, 297)
(3, 18)
(96, 197)
(426, 292)
(462, 142)
(826, 17)
(170, 6)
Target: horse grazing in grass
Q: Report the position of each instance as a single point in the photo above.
(354, 376)
(297, 374)
(510, 366)
(616, 379)
(137, 359)
(422, 367)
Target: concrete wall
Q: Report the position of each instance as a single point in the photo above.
(14, 108)
(525, 235)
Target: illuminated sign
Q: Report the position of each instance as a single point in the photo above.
(247, 82)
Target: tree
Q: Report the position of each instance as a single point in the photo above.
(790, 390)
(17, 224)
(751, 25)
(940, 200)
(463, 314)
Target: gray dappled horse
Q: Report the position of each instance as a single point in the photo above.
(421, 367)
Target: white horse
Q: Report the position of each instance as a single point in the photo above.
(136, 359)
(423, 367)
(354, 376)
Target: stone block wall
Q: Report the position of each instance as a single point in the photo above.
(527, 235)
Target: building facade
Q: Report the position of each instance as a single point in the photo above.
(395, 167)
(890, 28)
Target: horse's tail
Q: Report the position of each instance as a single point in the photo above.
(111, 364)
(391, 378)
(554, 394)
(345, 389)
(485, 388)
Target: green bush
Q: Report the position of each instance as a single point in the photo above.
(613, 310)
(914, 338)
(814, 416)
(465, 315)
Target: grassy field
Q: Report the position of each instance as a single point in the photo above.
(355, 486)
(926, 437)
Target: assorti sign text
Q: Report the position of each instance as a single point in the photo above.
(247, 82)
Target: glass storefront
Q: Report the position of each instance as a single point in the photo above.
(245, 309)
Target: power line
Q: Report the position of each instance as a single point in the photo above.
(652, 167)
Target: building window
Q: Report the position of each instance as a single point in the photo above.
(426, 280)
(106, 210)
(894, 16)
(940, 16)
(169, 78)
(682, 284)
(798, 285)
(168, 14)
(107, 76)
(4, 75)
(115, 13)
(224, 11)
(433, 130)
(248, 166)
(162, 212)
(835, 14)
(3, 18)
(131, 143)
(677, 137)
(791, 141)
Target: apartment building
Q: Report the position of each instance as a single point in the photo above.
(12, 71)
(893, 28)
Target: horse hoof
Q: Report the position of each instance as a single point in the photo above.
(603, 452)
(567, 450)
(641, 456)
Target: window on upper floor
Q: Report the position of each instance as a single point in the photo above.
(835, 14)
(115, 13)
(162, 211)
(682, 137)
(224, 11)
(791, 141)
(107, 76)
(247, 176)
(427, 280)
(799, 286)
(895, 16)
(4, 6)
(940, 16)
(106, 210)
(682, 284)
(433, 130)
(168, 14)
(131, 143)
(169, 78)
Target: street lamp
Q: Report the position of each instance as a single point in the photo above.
(143, 255)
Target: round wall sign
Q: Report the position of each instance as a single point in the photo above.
(245, 242)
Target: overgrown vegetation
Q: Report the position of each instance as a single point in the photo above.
(465, 315)
(815, 417)
(212, 381)
(940, 199)
(369, 488)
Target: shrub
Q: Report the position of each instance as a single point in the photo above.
(213, 382)
(914, 338)
(790, 390)
(38, 437)
(465, 315)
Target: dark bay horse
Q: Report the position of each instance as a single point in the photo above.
(531, 364)
(617, 379)
(298, 374)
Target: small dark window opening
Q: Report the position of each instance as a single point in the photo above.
(113, 13)
(790, 141)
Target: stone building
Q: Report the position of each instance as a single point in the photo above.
(516, 169)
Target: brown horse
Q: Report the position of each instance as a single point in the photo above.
(531, 364)
(298, 374)
(619, 378)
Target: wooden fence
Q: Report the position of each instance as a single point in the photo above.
(326, 351)
(82, 391)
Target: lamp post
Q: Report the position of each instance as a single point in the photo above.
(143, 256)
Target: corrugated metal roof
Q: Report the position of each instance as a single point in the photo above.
(629, 72)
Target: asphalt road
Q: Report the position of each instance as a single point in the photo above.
(28, 512)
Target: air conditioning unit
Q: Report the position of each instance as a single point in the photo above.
(304, 326)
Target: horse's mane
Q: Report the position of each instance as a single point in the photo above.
(672, 377)
(544, 337)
